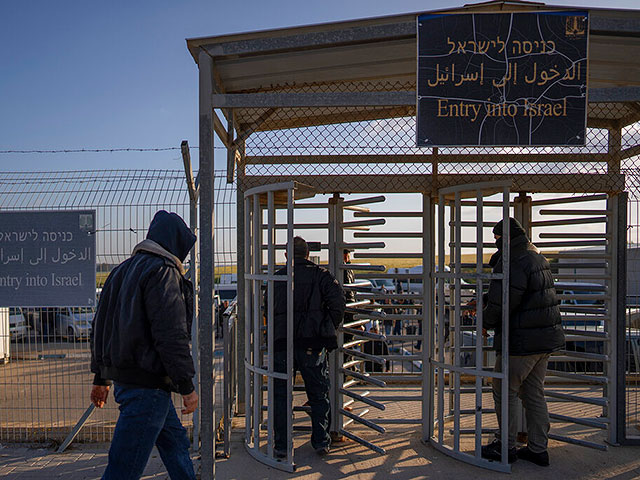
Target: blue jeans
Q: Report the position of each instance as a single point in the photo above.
(147, 418)
(315, 373)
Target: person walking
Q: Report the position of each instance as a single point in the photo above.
(140, 343)
(535, 331)
(319, 304)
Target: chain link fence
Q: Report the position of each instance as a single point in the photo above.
(44, 370)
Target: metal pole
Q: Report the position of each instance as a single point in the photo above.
(504, 391)
(207, 394)
(427, 317)
(440, 318)
(193, 223)
(618, 429)
(290, 320)
(335, 259)
(240, 257)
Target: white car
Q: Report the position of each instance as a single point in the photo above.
(383, 285)
(74, 322)
(18, 327)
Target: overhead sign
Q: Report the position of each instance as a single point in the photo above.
(47, 258)
(503, 79)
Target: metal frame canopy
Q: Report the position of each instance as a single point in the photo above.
(276, 60)
(355, 71)
(324, 74)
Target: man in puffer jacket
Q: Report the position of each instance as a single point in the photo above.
(140, 342)
(319, 304)
(535, 331)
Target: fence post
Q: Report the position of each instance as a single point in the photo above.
(193, 189)
(619, 428)
(240, 320)
(206, 169)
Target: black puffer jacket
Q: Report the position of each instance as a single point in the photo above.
(318, 305)
(142, 326)
(534, 316)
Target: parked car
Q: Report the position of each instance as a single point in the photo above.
(383, 285)
(414, 285)
(74, 323)
(18, 326)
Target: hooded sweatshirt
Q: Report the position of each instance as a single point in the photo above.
(142, 326)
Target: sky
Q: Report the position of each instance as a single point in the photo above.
(79, 74)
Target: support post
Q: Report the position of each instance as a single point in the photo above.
(617, 432)
(615, 149)
(194, 192)
(240, 256)
(335, 259)
(428, 310)
(231, 148)
(522, 211)
(205, 333)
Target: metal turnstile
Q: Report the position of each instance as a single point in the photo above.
(455, 336)
(579, 235)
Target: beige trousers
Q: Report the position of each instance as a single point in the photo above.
(526, 380)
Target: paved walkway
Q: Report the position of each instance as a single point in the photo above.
(407, 458)
(81, 462)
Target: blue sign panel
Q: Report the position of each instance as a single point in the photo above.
(47, 258)
(503, 79)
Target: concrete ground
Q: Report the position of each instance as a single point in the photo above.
(407, 458)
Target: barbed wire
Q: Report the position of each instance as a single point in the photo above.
(101, 150)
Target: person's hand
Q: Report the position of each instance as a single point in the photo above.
(471, 311)
(190, 402)
(99, 395)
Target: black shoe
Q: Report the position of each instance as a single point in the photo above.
(541, 458)
(322, 451)
(493, 452)
(279, 454)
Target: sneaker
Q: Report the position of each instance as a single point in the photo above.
(279, 454)
(493, 452)
(541, 458)
(322, 450)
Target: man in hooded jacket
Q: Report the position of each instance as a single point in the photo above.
(318, 304)
(140, 343)
(535, 331)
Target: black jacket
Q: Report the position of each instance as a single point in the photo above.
(318, 305)
(142, 327)
(534, 316)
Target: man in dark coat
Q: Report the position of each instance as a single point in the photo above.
(319, 304)
(535, 331)
(140, 342)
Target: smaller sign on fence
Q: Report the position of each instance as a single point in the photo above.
(47, 258)
(505, 79)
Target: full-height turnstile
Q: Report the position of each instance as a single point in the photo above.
(457, 408)
(261, 227)
(454, 336)
(584, 239)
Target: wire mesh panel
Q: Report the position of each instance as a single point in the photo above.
(44, 363)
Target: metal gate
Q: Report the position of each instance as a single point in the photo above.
(458, 334)
(347, 363)
(259, 348)
(580, 237)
